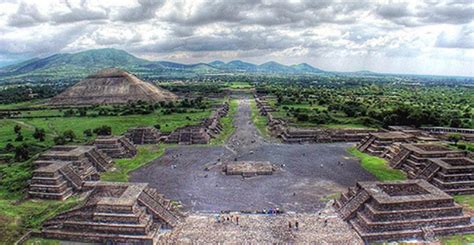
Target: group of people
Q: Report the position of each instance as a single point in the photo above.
(295, 225)
(226, 218)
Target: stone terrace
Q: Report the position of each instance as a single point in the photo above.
(63, 169)
(413, 158)
(118, 212)
(377, 143)
(189, 135)
(143, 135)
(249, 168)
(452, 175)
(401, 210)
(279, 128)
(116, 146)
(199, 134)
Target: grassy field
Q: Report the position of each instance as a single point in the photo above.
(258, 120)
(146, 153)
(227, 124)
(377, 166)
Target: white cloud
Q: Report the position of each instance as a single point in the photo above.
(389, 36)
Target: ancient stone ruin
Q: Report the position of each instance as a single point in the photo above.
(452, 175)
(213, 122)
(401, 210)
(121, 213)
(116, 146)
(249, 168)
(377, 144)
(111, 86)
(189, 135)
(143, 135)
(413, 158)
(288, 134)
(199, 134)
(62, 171)
(323, 135)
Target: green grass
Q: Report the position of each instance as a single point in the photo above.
(465, 200)
(119, 124)
(240, 85)
(227, 124)
(16, 219)
(146, 154)
(458, 239)
(41, 241)
(258, 120)
(377, 166)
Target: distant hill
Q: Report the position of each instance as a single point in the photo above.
(79, 65)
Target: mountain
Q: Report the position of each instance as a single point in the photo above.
(305, 68)
(274, 67)
(238, 65)
(76, 66)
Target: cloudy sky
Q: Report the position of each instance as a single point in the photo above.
(425, 37)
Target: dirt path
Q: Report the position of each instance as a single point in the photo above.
(246, 136)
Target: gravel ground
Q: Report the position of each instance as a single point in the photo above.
(307, 173)
(316, 228)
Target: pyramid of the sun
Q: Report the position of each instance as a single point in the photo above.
(111, 86)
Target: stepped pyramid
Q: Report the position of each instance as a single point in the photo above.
(121, 213)
(64, 169)
(143, 135)
(111, 86)
(116, 146)
(395, 210)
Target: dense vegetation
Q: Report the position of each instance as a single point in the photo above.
(372, 105)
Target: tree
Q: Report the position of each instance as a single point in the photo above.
(69, 135)
(17, 129)
(9, 147)
(19, 137)
(157, 126)
(103, 130)
(59, 140)
(39, 134)
(87, 132)
(454, 137)
(21, 153)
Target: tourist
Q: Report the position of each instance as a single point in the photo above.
(289, 224)
(237, 219)
(296, 225)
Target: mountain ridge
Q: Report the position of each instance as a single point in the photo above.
(74, 66)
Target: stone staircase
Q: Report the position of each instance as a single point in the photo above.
(160, 207)
(428, 172)
(399, 158)
(100, 160)
(353, 204)
(73, 178)
(365, 144)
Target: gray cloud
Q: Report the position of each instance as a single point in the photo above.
(26, 15)
(81, 13)
(428, 12)
(144, 11)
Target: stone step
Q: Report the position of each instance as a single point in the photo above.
(453, 184)
(394, 225)
(407, 214)
(122, 228)
(460, 191)
(100, 237)
(51, 195)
